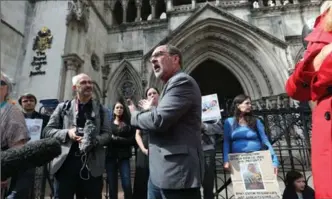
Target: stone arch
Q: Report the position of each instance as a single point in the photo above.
(118, 12)
(236, 45)
(124, 81)
(145, 10)
(131, 11)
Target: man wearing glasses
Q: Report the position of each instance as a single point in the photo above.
(176, 159)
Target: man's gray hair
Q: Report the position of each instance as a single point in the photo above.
(172, 50)
(77, 78)
(8, 81)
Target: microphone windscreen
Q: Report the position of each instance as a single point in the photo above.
(31, 155)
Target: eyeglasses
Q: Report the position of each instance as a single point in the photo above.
(3, 83)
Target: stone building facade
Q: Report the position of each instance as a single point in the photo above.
(229, 46)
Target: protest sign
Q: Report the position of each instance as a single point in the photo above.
(210, 108)
(34, 128)
(253, 176)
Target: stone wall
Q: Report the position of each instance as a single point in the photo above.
(12, 33)
(50, 14)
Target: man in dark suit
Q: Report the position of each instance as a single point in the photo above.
(175, 151)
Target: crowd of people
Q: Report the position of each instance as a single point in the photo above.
(176, 150)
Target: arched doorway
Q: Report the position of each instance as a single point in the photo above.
(212, 77)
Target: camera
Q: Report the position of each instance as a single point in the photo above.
(79, 132)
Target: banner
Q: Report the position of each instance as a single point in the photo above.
(210, 108)
(34, 128)
(253, 176)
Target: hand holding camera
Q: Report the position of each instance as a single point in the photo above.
(72, 133)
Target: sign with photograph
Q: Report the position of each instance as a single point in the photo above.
(253, 176)
(34, 128)
(210, 108)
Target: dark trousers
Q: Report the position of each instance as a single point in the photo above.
(113, 165)
(141, 176)
(155, 192)
(68, 181)
(22, 185)
(210, 166)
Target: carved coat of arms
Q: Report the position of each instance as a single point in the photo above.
(43, 40)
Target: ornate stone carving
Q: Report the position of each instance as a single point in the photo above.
(105, 71)
(95, 62)
(79, 11)
(123, 55)
(128, 88)
(221, 37)
(150, 25)
(72, 62)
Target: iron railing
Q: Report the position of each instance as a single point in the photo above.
(289, 130)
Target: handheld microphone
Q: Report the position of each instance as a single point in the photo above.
(31, 155)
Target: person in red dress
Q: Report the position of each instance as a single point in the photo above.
(312, 81)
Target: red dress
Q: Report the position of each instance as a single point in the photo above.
(307, 84)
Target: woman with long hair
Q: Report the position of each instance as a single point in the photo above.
(119, 152)
(142, 160)
(244, 132)
(296, 187)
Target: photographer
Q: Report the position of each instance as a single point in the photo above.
(83, 127)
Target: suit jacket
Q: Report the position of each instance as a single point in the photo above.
(54, 128)
(175, 152)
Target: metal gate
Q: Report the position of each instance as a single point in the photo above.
(289, 130)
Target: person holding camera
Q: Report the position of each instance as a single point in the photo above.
(83, 127)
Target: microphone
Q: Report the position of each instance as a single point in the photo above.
(31, 155)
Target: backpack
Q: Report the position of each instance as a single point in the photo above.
(66, 106)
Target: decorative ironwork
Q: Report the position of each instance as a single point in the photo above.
(287, 125)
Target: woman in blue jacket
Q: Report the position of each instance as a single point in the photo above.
(244, 133)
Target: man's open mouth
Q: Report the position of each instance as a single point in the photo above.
(156, 68)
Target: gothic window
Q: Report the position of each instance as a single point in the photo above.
(127, 87)
(118, 13)
(181, 2)
(131, 11)
(95, 62)
(160, 9)
(146, 9)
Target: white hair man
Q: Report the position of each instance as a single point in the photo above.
(83, 127)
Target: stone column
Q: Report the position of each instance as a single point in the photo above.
(105, 72)
(72, 63)
(193, 4)
(217, 2)
(153, 4)
(139, 9)
(124, 11)
(278, 3)
(169, 5)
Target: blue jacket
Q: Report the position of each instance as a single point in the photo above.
(243, 139)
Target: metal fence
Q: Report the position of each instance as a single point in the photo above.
(289, 130)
